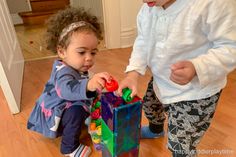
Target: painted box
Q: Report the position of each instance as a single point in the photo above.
(121, 122)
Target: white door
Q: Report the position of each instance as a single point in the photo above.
(11, 60)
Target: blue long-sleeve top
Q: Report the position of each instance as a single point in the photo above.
(66, 87)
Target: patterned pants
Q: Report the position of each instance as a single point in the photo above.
(187, 120)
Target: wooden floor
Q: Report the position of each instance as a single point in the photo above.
(17, 141)
(32, 42)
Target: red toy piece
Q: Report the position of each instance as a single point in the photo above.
(95, 114)
(112, 85)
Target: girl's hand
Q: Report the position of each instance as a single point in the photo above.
(182, 72)
(131, 82)
(97, 82)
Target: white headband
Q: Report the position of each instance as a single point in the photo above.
(71, 27)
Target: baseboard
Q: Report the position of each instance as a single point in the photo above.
(16, 19)
(128, 36)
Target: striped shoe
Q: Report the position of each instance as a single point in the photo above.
(82, 151)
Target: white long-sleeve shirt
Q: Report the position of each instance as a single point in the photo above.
(201, 31)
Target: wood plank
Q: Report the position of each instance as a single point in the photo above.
(31, 39)
(41, 6)
(16, 140)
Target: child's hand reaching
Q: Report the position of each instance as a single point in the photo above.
(182, 72)
(130, 81)
(97, 82)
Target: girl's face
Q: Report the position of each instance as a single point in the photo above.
(162, 3)
(81, 51)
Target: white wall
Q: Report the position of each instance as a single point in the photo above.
(119, 18)
(19, 6)
(95, 6)
(16, 7)
(128, 11)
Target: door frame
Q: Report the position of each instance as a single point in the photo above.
(13, 104)
(11, 61)
(112, 23)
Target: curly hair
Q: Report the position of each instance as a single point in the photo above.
(64, 18)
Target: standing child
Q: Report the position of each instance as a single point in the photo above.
(190, 47)
(64, 103)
